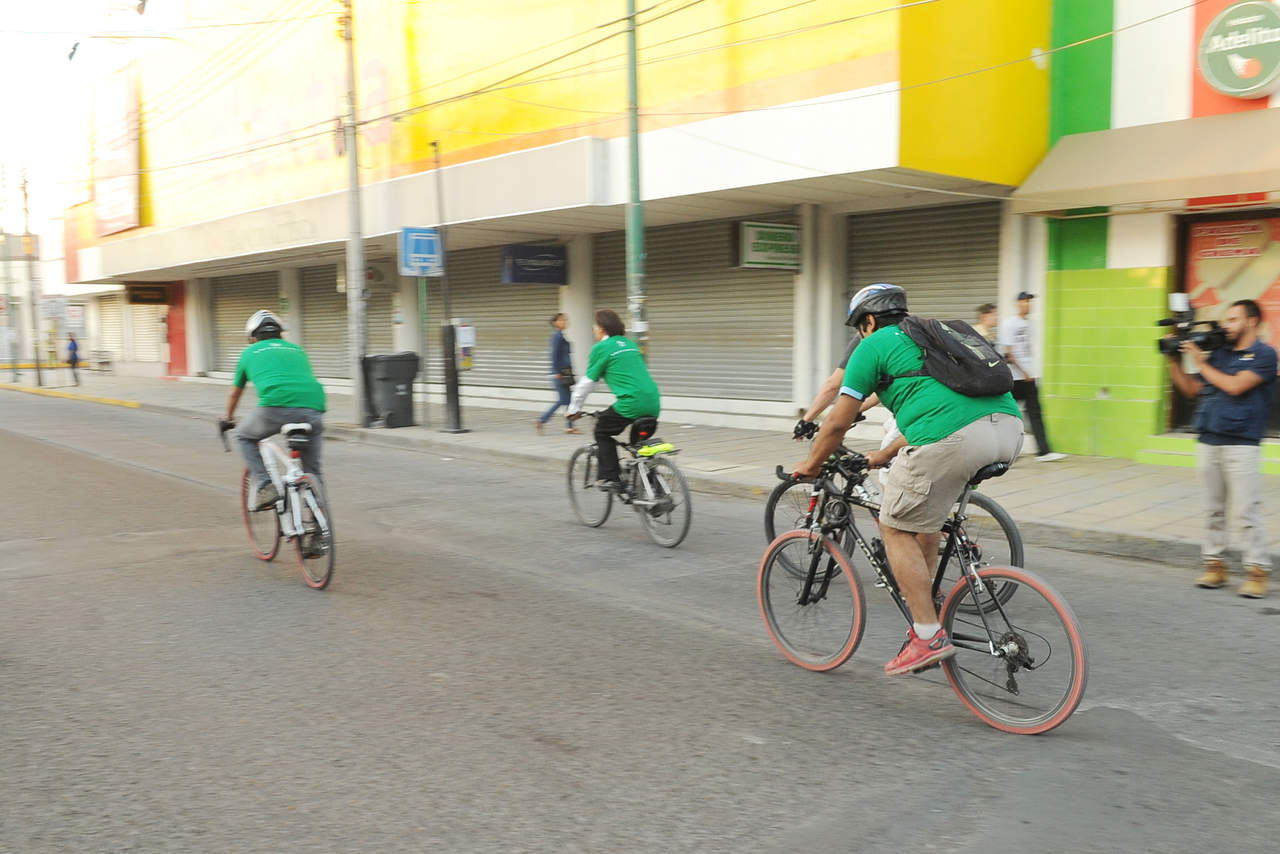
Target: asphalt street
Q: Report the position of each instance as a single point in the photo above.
(485, 674)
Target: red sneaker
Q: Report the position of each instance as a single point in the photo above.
(919, 654)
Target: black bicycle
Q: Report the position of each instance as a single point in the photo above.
(1020, 655)
(651, 484)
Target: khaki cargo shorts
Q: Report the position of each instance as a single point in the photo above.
(925, 481)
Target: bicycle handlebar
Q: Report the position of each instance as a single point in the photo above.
(845, 462)
(223, 426)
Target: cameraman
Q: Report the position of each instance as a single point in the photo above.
(1234, 388)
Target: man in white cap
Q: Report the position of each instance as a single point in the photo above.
(1016, 345)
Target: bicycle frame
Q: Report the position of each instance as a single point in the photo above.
(286, 473)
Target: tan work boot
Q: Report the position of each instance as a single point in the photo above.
(1215, 574)
(1255, 586)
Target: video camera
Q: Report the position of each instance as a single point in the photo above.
(1184, 325)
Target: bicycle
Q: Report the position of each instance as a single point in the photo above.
(652, 484)
(300, 514)
(992, 537)
(1020, 664)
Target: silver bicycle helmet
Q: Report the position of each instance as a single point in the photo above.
(875, 299)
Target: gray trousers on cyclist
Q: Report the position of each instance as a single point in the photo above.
(266, 421)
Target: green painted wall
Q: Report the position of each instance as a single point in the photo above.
(1080, 75)
(1104, 383)
(1078, 244)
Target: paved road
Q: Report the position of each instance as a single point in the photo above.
(486, 675)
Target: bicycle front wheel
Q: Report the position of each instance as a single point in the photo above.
(315, 548)
(824, 631)
(590, 503)
(991, 538)
(667, 522)
(263, 525)
(1035, 678)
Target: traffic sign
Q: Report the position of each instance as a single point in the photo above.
(419, 252)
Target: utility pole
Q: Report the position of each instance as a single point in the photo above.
(33, 285)
(355, 241)
(448, 332)
(635, 209)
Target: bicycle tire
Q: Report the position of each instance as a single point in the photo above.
(670, 527)
(262, 526)
(590, 503)
(317, 570)
(975, 674)
(788, 505)
(994, 539)
(778, 594)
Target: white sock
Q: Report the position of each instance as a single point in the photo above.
(924, 631)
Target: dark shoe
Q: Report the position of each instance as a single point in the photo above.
(265, 497)
(312, 545)
(918, 654)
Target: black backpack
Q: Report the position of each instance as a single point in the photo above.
(956, 356)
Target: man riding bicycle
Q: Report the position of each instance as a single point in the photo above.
(946, 437)
(288, 392)
(618, 361)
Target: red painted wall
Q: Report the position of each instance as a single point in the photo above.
(177, 329)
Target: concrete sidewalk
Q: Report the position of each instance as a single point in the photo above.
(1092, 504)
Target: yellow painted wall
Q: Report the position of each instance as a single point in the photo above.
(992, 125)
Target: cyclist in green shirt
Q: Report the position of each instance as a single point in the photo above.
(946, 438)
(288, 392)
(617, 360)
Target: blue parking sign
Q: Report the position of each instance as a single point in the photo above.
(419, 252)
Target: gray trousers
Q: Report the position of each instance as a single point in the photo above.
(266, 421)
(1231, 475)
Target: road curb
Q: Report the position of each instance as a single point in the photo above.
(1175, 553)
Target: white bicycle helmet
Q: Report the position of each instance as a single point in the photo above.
(262, 321)
(874, 299)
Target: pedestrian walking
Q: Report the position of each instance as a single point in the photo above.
(73, 356)
(1017, 344)
(1234, 390)
(562, 378)
(988, 321)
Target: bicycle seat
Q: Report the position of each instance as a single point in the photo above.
(643, 429)
(295, 427)
(297, 435)
(988, 471)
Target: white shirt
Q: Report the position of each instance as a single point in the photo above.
(1015, 338)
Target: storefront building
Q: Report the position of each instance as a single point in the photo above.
(1164, 176)
(837, 127)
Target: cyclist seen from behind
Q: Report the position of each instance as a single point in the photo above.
(946, 438)
(288, 392)
(617, 360)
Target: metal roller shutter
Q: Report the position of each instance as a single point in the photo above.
(148, 332)
(512, 329)
(716, 331)
(234, 299)
(947, 259)
(324, 320)
(111, 325)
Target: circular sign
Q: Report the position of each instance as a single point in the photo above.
(1239, 53)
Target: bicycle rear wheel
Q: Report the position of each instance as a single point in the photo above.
(1037, 677)
(590, 503)
(667, 522)
(315, 548)
(263, 525)
(992, 539)
(821, 634)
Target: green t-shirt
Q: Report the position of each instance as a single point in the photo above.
(281, 373)
(927, 411)
(618, 361)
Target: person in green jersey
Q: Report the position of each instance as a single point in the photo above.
(946, 438)
(288, 392)
(617, 360)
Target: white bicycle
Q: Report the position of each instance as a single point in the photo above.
(300, 513)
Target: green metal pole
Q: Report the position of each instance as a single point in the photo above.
(424, 349)
(635, 209)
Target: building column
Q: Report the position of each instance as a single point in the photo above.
(833, 286)
(291, 304)
(199, 327)
(406, 334)
(1023, 264)
(577, 299)
(805, 324)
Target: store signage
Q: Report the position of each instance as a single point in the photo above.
(1239, 53)
(418, 252)
(768, 246)
(147, 294)
(535, 265)
(53, 308)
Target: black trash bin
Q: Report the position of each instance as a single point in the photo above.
(389, 387)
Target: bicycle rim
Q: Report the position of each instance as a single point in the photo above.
(1040, 682)
(263, 526)
(675, 513)
(590, 503)
(821, 634)
(317, 568)
(992, 540)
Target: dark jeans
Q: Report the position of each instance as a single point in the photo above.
(562, 400)
(73, 364)
(1025, 391)
(608, 425)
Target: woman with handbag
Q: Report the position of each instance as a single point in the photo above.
(562, 378)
